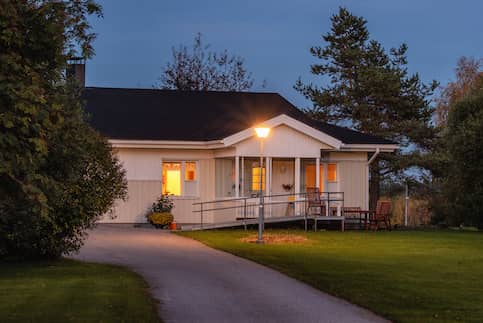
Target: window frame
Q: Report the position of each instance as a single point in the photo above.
(336, 165)
(195, 177)
(182, 177)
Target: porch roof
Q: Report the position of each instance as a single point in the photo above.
(151, 114)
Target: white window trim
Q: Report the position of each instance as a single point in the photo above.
(183, 179)
(336, 172)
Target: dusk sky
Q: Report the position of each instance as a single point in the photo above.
(135, 37)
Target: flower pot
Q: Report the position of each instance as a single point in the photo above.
(172, 226)
(160, 219)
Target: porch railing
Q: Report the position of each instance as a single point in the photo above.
(276, 206)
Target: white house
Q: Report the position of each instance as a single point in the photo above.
(201, 146)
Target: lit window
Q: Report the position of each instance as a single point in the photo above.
(256, 178)
(172, 178)
(332, 172)
(190, 171)
(310, 176)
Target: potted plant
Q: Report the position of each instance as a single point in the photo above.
(159, 214)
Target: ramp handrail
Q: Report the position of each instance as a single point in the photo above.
(249, 204)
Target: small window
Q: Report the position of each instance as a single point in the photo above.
(310, 176)
(190, 171)
(256, 178)
(332, 172)
(172, 178)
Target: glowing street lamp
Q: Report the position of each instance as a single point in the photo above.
(262, 133)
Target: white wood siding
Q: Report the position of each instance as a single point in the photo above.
(141, 194)
(282, 142)
(352, 178)
(143, 170)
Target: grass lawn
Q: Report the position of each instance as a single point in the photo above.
(72, 291)
(403, 276)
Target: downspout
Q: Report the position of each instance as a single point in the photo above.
(378, 150)
(373, 157)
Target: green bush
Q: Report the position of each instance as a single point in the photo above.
(160, 219)
(464, 189)
(163, 204)
(58, 175)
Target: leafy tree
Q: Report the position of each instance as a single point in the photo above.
(204, 70)
(371, 91)
(464, 185)
(469, 79)
(57, 175)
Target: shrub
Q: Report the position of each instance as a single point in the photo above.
(57, 174)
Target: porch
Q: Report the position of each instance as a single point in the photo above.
(239, 176)
(242, 212)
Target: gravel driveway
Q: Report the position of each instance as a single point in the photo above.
(195, 283)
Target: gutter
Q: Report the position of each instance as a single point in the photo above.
(378, 150)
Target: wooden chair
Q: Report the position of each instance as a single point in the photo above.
(313, 200)
(382, 215)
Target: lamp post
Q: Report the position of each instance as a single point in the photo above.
(262, 133)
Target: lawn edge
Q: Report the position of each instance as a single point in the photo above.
(147, 289)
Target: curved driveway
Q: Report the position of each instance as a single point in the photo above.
(195, 283)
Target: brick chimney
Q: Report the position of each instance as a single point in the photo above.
(77, 69)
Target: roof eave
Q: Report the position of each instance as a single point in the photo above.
(370, 147)
(166, 144)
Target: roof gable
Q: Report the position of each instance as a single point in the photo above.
(290, 122)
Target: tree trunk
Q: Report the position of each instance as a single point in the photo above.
(374, 184)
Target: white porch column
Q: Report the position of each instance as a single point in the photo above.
(297, 175)
(297, 185)
(326, 188)
(162, 179)
(237, 176)
(242, 175)
(268, 175)
(268, 184)
(317, 173)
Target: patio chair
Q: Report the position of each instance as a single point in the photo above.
(381, 215)
(313, 201)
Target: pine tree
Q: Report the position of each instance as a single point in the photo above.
(371, 90)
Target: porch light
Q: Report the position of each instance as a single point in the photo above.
(262, 132)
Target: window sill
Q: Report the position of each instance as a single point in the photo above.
(184, 197)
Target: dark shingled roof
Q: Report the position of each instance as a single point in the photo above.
(150, 114)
